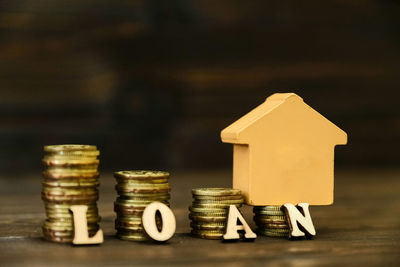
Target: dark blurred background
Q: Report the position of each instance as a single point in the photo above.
(152, 83)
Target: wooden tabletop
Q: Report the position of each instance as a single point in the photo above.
(361, 228)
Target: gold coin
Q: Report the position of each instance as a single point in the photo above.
(134, 191)
(272, 233)
(78, 154)
(132, 186)
(133, 200)
(227, 199)
(141, 174)
(129, 211)
(63, 225)
(56, 237)
(207, 226)
(147, 195)
(70, 174)
(213, 205)
(133, 205)
(275, 230)
(132, 236)
(268, 208)
(210, 214)
(68, 217)
(63, 233)
(70, 162)
(267, 212)
(210, 223)
(121, 226)
(207, 218)
(68, 147)
(76, 199)
(131, 222)
(139, 182)
(71, 182)
(269, 217)
(67, 213)
(208, 210)
(207, 235)
(216, 192)
(73, 170)
(266, 221)
(65, 207)
(273, 226)
(67, 192)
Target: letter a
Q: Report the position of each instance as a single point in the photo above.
(296, 218)
(81, 229)
(232, 226)
(150, 225)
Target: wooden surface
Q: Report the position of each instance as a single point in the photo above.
(361, 228)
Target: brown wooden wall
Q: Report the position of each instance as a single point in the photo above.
(152, 83)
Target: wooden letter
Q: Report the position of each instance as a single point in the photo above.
(81, 229)
(232, 227)
(150, 225)
(296, 218)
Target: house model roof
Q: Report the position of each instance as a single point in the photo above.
(232, 134)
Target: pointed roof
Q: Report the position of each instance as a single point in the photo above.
(232, 132)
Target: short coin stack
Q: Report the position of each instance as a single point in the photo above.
(70, 178)
(209, 210)
(136, 190)
(271, 221)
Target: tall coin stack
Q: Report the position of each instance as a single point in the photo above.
(70, 178)
(209, 211)
(136, 190)
(271, 221)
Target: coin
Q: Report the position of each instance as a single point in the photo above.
(213, 205)
(267, 212)
(70, 178)
(68, 148)
(238, 198)
(131, 191)
(136, 190)
(207, 226)
(207, 234)
(70, 162)
(209, 210)
(273, 234)
(70, 174)
(73, 183)
(271, 208)
(132, 236)
(205, 218)
(141, 174)
(271, 221)
(216, 192)
(271, 217)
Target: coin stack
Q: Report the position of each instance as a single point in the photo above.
(209, 210)
(136, 190)
(70, 178)
(271, 221)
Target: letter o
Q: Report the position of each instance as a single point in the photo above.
(150, 225)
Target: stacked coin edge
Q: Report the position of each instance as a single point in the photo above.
(136, 190)
(70, 178)
(271, 221)
(209, 211)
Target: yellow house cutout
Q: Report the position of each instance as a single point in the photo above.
(284, 153)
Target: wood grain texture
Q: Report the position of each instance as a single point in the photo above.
(361, 228)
